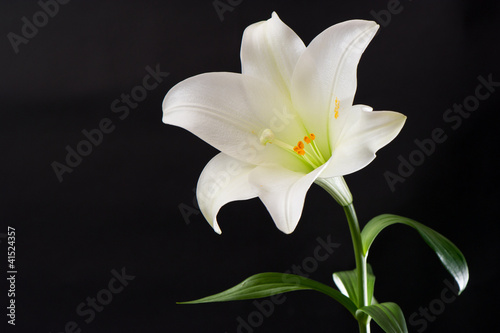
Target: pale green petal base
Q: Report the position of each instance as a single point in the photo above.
(337, 188)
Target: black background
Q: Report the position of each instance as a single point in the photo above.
(119, 208)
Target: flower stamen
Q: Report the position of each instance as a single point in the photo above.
(312, 157)
(337, 107)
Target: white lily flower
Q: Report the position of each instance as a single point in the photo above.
(285, 122)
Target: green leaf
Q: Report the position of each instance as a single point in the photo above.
(347, 282)
(269, 284)
(388, 316)
(451, 257)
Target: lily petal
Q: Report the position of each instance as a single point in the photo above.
(326, 71)
(347, 116)
(363, 133)
(230, 111)
(223, 180)
(269, 51)
(283, 193)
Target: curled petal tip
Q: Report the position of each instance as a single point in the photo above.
(287, 231)
(213, 223)
(217, 229)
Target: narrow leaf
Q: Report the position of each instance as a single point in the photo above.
(451, 257)
(347, 282)
(388, 316)
(269, 284)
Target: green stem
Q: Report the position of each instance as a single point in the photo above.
(337, 188)
(364, 328)
(363, 319)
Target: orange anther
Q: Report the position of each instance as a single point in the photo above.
(300, 145)
(307, 140)
(301, 152)
(312, 136)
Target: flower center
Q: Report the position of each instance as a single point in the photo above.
(307, 152)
